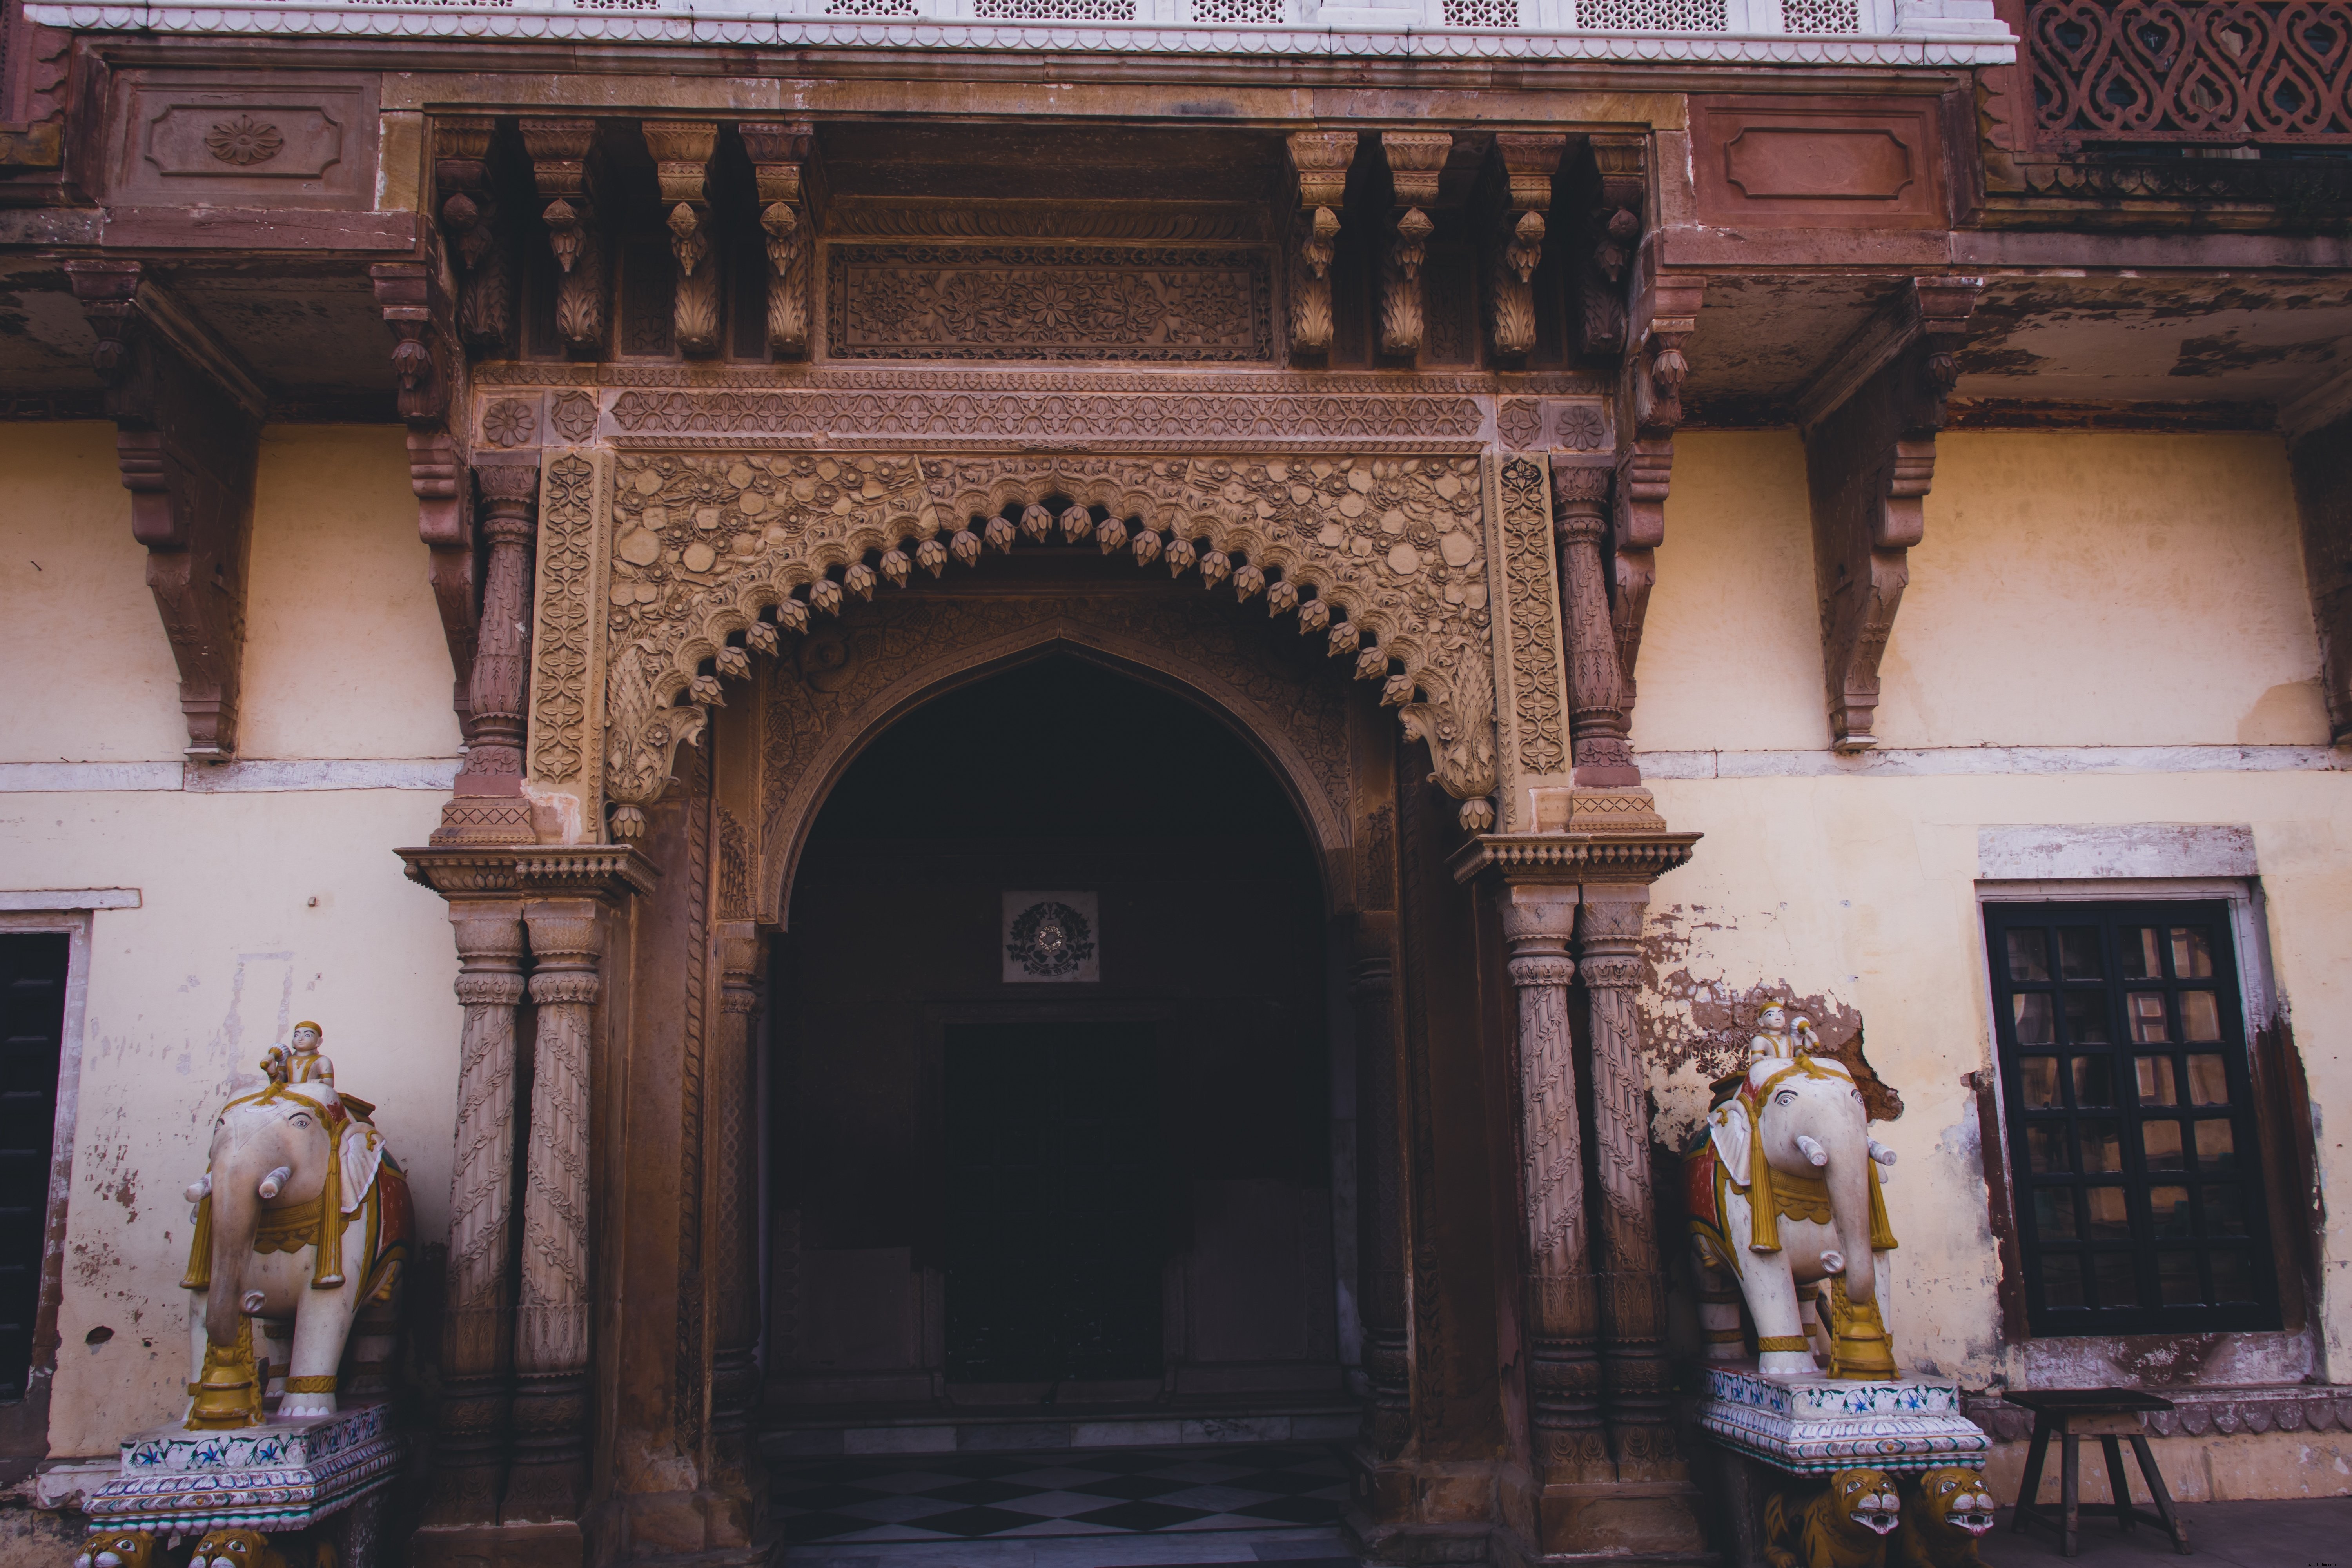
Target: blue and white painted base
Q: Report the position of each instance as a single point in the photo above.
(1815, 1426)
(282, 1475)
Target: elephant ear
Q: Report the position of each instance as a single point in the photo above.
(363, 1152)
(1730, 1128)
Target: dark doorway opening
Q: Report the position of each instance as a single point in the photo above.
(32, 1041)
(992, 1192)
(1055, 1202)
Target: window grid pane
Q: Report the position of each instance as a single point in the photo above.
(2131, 1132)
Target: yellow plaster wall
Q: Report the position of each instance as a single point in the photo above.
(343, 654)
(2073, 590)
(1863, 890)
(79, 622)
(225, 952)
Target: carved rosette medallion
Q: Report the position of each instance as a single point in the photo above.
(710, 558)
(245, 142)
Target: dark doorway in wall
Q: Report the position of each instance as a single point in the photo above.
(1055, 1202)
(32, 1037)
(992, 1190)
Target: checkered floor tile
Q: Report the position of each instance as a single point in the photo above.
(952, 1497)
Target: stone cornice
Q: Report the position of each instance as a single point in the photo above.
(610, 871)
(1573, 856)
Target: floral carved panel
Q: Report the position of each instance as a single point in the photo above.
(1382, 562)
(1529, 664)
(1022, 302)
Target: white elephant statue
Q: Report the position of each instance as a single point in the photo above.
(302, 1214)
(1783, 1184)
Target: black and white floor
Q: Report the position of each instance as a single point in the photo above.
(1193, 1505)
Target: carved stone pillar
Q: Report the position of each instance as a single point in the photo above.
(1870, 422)
(558, 153)
(552, 1405)
(1318, 166)
(1379, 1185)
(1563, 1367)
(187, 418)
(778, 153)
(1596, 697)
(470, 1442)
(1632, 1294)
(682, 150)
(1416, 159)
(489, 806)
(739, 1477)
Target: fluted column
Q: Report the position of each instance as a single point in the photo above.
(733, 1087)
(551, 1397)
(1379, 1185)
(1596, 687)
(469, 1445)
(1563, 1370)
(1633, 1285)
(487, 805)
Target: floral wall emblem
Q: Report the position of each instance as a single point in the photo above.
(1519, 423)
(1014, 302)
(1051, 936)
(508, 423)
(245, 142)
(1579, 428)
(575, 417)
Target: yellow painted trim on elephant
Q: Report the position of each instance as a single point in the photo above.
(1768, 1343)
(311, 1384)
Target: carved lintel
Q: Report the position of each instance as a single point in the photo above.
(682, 151)
(1416, 161)
(429, 367)
(559, 151)
(469, 220)
(1320, 162)
(1869, 460)
(1519, 180)
(187, 418)
(780, 153)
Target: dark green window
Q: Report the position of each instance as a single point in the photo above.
(2131, 1129)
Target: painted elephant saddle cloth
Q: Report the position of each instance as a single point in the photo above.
(1725, 1162)
(362, 1185)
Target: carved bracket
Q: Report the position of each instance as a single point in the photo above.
(1416, 159)
(1869, 455)
(707, 559)
(1621, 168)
(469, 220)
(1518, 197)
(682, 150)
(1319, 161)
(187, 418)
(1663, 315)
(780, 155)
(560, 151)
(429, 367)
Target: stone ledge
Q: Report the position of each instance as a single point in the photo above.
(2201, 1411)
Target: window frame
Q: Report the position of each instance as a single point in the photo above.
(2229, 907)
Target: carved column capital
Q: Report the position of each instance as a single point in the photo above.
(1319, 161)
(779, 152)
(1519, 197)
(1416, 160)
(560, 150)
(682, 151)
(470, 221)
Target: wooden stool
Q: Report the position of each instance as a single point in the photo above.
(2105, 1414)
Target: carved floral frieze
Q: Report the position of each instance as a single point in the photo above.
(1032, 302)
(1383, 561)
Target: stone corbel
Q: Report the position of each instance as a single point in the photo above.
(682, 150)
(1318, 166)
(429, 366)
(1664, 313)
(469, 218)
(187, 418)
(558, 153)
(1870, 420)
(780, 155)
(1521, 199)
(1621, 164)
(1416, 159)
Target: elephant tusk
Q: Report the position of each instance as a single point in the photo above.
(1881, 1153)
(1834, 1261)
(252, 1301)
(199, 1189)
(1812, 1149)
(275, 1183)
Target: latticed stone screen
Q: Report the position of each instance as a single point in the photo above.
(1653, 16)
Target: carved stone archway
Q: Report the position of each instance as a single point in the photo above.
(661, 574)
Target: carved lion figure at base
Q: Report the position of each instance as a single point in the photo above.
(236, 1549)
(1947, 1510)
(1846, 1526)
(118, 1549)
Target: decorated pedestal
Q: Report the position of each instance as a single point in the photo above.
(1818, 1425)
(287, 1474)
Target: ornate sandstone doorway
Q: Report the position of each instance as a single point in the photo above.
(1076, 1183)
